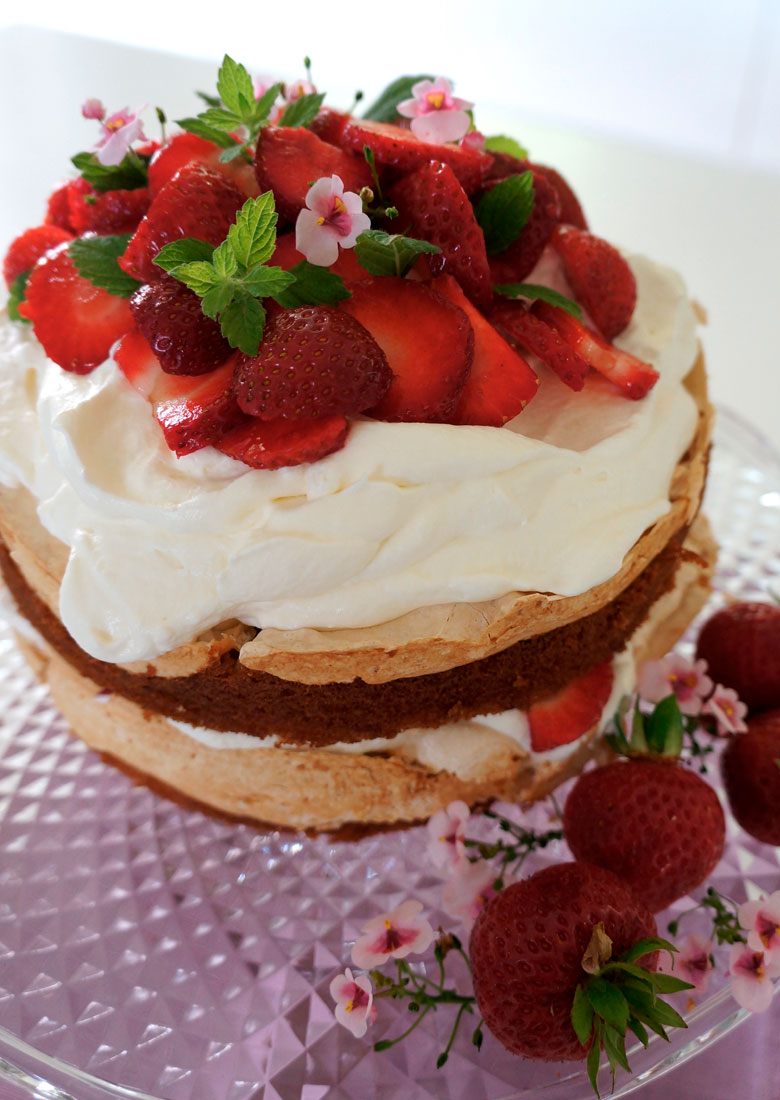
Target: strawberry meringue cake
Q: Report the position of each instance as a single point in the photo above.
(345, 471)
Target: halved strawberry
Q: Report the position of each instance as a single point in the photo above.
(601, 279)
(515, 262)
(329, 125)
(287, 256)
(571, 210)
(428, 343)
(289, 159)
(437, 209)
(270, 444)
(195, 203)
(75, 321)
(516, 320)
(564, 717)
(182, 337)
(400, 149)
(500, 383)
(57, 208)
(27, 249)
(187, 148)
(105, 212)
(193, 411)
(634, 377)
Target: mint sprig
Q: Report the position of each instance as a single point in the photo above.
(498, 143)
(544, 293)
(504, 210)
(131, 173)
(303, 110)
(95, 259)
(383, 253)
(16, 293)
(385, 106)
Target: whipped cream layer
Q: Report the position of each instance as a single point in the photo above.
(404, 516)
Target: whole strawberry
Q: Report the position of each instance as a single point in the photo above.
(655, 824)
(601, 279)
(528, 955)
(182, 337)
(751, 774)
(741, 645)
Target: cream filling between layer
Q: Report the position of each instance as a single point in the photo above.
(404, 516)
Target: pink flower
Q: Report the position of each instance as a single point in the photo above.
(436, 114)
(761, 920)
(297, 89)
(751, 973)
(469, 888)
(93, 108)
(446, 832)
(393, 936)
(332, 217)
(692, 963)
(119, 131)
(354, 999)
(674, 675)
(727, 709)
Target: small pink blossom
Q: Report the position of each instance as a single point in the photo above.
(332, 217)
(674, 675)
(727, 709)
(761, 920)
(297, 89)
(354, 999)
(93, 108)
(469, 888)
(119, 131)
(436, 114)
(751, 973)
(692, 963)
(393, 936)
(446, 833)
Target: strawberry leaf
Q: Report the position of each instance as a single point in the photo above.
(646, 947)
(242, 323)
(582, 1016)
(594, 1058)
(498, 143)
(383, 253)
(504, 210)
(638, 1030)
(16, 293)
(667, 983)
(608, 1002)
(664, 727)
(303, 110)
(545, 293)
(313, 285)
(95, 259)
(615, 1047)
(187, 250)
(252, 237)
(385, 107)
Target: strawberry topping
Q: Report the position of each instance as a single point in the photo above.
(27, 249)
(516, 320)
(58, 208)
(270, 444)
(105, 211)
(521, 257)
(571, 210)
(183, 149)
(573, 711)
(601, 279)
(182, 337)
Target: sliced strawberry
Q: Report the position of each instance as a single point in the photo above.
(503, 165)
(105, 212)
(269, 444)
(564, 717)
(634, 377)
(329, 125)
(193, 412)
(75, 321)
(397, 148)
(436, 208)
(289, 159)
(500, 383)
(313, 361)
(571, 210)
(195, 203)
(520, 325)
(428, 342)
(58, 208)
(27, 249)
(601, 279)
(521, 257)
(287, 256)
(187, 148)
(182, 337)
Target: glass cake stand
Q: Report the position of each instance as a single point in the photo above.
(150, 951)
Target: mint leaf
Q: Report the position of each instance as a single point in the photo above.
(234, 151)
(209, 100)
(253, 235)
(16, 293)
(383, 253)
(130, 174)
(218, 298)
(504, 210)
(220, 119)
(242, 323)
(533, 290)
(224, 260)
(234, 85)
(500, 144)
(302, 110)
(201, 129)
(385, 107)
(95, 259)
(313, 286)
(199, 276)
(267, 282)
(187, 250)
